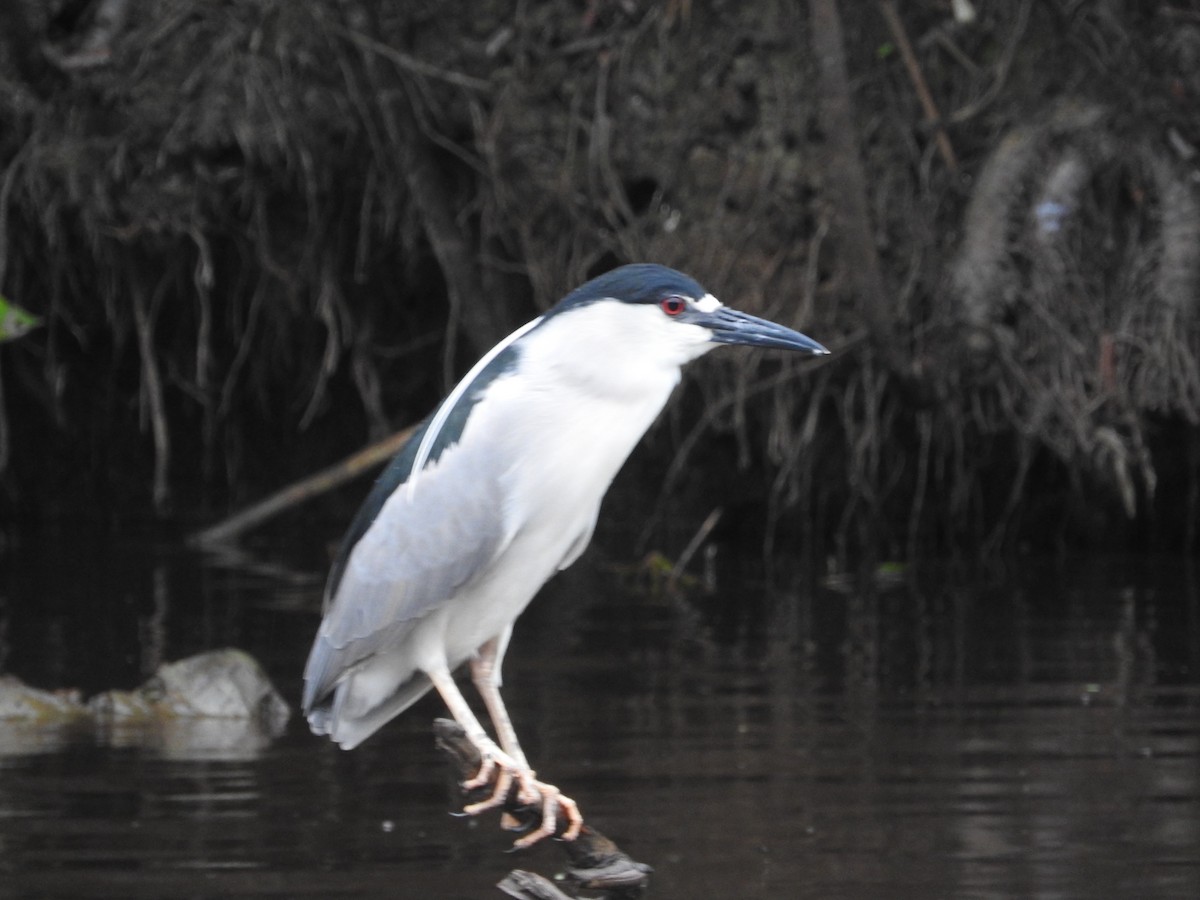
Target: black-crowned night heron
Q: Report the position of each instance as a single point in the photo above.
(495, 492)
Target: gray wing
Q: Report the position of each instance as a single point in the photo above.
(418, 551)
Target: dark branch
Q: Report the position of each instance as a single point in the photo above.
(595, 862)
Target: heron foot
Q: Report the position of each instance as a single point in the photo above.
(553, 800)
(530, 792)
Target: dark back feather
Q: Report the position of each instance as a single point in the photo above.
(399, 470)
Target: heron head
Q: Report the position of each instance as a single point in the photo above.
(672, 315)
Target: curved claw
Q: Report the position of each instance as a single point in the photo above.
(530, 792)
(552, 799)
(487, 765)
(499, 796)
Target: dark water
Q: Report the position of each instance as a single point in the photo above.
(1030, 730)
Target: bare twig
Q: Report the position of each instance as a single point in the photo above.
(1002, 68)
(145, 313)
(483, 318)
(701, 535)
(411, 63)
(6, 188)
(297, 493)
(932, 115)
(719, 407)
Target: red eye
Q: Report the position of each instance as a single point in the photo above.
(673, 306)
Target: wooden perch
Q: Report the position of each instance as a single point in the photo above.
(296, 493)
(595, 862)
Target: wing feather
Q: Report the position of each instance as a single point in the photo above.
(411, 547)
(418, 551)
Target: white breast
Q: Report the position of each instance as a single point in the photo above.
(583, 393)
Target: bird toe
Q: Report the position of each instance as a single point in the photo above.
(504, 773)
(553, 802)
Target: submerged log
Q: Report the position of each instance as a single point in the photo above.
(595, 863)
(530, 886)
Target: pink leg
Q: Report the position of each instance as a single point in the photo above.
(511, 768)
(485, 675)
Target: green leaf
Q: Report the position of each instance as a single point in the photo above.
(15, 321)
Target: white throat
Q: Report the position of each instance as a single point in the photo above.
(614, 349)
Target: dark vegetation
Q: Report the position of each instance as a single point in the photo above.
(263, 233)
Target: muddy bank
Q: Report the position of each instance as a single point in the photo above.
(262, 233)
